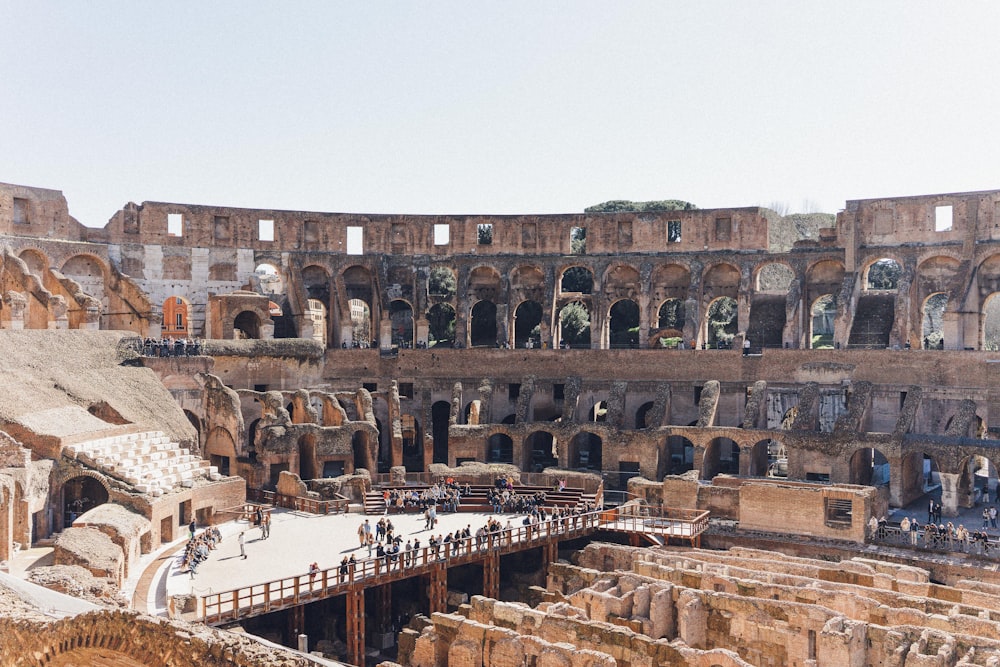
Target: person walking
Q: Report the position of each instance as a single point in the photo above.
(243, 551)
(746, 346)
(191, 528)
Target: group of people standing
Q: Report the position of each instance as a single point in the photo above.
(171, 347)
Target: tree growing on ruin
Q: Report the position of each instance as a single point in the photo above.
(575, 322)
(485, 234)
(625, 205)
(441, 282)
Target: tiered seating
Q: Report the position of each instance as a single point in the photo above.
(477, 499)
(148, 460)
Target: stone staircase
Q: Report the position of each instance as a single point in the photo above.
(147, 460)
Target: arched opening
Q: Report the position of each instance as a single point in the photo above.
(441, 326)
(670, 320)
(472, 411)
(775, 277)
(509, 419)
(441, 283)
(500, 449)
(541, 452)
(678, 457)
(640, 415)
(721, 322)
(361, 323)
(527, 325)
(307, 456)
(80, 494)
(574, 325)
(623, 324)
(362, 452)
(722, 457)
(247, 325)
(401, 316)
(824, 311)
(869, 467)
(176, 317)
(768, 458)
(268, 279)
(932, 329)
(252, 440)
(875, 313)
(921, 476)
(220, 449)
(483, 327)
(413, 451)
(578, 280)
(991, 323)
(983, 481)
(585, 451)
(440, 415)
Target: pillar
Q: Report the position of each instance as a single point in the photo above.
(949, 493)
(296, 623)
(356, 626)
(550, 554)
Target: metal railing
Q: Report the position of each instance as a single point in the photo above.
(278, 594)
(299, 503)
(977, 540)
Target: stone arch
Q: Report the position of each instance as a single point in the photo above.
(669, 281)
(220, 449)
(722, 279)
(82, 492)
(500, 449)
(776, 277)
(176, 317)
(670, 320)
(677, 457)
(920, 474)
(623, 324)
(772, 453)
(621, 281)
(640, 415)
(576, 280)
(586, 451)
(527, 324)
(824, 277)
(247, 322)
(722, 456)
(989, 327)
(36, 261)
(361, 452)
(527, 283)
(401, 317)
(91, 274)
(882, 274)
(484, 284)
(316, 282)
(270, 278)
(441, 281)
(540, 451)
(483, 330)
(983, 477)
(869, 467)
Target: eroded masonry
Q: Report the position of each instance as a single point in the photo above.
(159, 369)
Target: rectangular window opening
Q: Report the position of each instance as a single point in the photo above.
(355, 240)
(484, 233)
(942, 218)
(558, 392)
(406, 390)
(838, 510)
(372, 387)
(21, 211)
(673, 231)
(175, 224)
(442, 233)
(723, 229)
(513, 391)
(260, 387)
(578, 241)
(265, 230)
(221, 226)
(311, 231)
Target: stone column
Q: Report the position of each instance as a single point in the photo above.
(949, 493)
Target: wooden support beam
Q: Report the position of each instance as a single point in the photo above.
(550, 554)
(491, 575)
(383, 607)
(356, 626)
(437, 588)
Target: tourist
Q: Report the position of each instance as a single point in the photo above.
(265, 526)
(342, 572)
(242, 539)
(313, 571)
(746, 346)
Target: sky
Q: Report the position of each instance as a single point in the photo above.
(520, 106)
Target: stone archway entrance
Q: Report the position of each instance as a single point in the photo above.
(80, 494)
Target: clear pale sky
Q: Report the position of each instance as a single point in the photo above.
(497, 107)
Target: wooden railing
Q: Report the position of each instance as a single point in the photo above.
(663, 521)
(269, 596)
(300, 503)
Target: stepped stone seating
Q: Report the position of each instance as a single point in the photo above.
(148, 460)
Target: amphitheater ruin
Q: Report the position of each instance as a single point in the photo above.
(720, 405)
